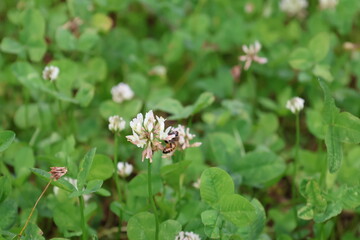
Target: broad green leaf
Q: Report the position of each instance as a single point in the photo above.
(237, 210)
(332, 140)
(67, 216)
(141, 227)
(61, 183)
(323, 71)
(36, 49)
(212, 221)
(87, 40)
(97, 69)
(319, 46)
(23, 160)
(224, 149)
(5, 183)
(306, 212)
(347, 127)
(169, 229)
(101, 22)
(91, 186)
(259, 167)
(85, 94)
(333, 209)
(253, 231)
(127, 110)
(65, 40)
(6, 138)
(84, 169)
(215, 184)
(170, 105)
(301, 58)
(314, 197)
(8, 213)
(203, 101)
(9, 45)
(34, 25)
(138, 185)
(314, 123)
(102, 168)
(171, 173)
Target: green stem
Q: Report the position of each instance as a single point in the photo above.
(33, 209)
(296, 158)
(152, 202)
(116, 178)
(82, 216)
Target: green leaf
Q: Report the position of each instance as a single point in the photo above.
(301, 58)
(91, 186)
(171, 173)
(127, 110)
(6, 138)
(170, 105)
(204, 100)
(5, 183)
(212, 221)
(319, 46)
(87, 40)
(253, 231)
(36, 49)
(34, 25)
(237, 210)
(259, 167)
(138, 185)
(141, 227)
(8, 213)
(65, 40)
(9, 45)
(314, 197)
(85, 94)
(101, 22)
(84, 169)
(347, 127)
(215, 184)
(67, 216)
(61, 183)
(323, 71)
(102, 168)
(306, 212)
(169, 229)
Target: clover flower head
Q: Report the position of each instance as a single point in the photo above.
(187, 236)
(116, 123)
(295, 104)
(124, 169)
(148, 133)
(328, 4)
(158, 71)
(121, 92)
(50, 73)
(185, 137)
(251, 52)
(293, 7)
(57, 172)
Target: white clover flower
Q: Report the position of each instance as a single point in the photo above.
(50, 73)
(293, 7)
(74, 183)
(187, 236)
(252, 55)
(124, 169)
(116, 123)
(197, 183)
(158, 71)
(148, 133)
(121, 92)
(185, 137)
(295, 104)
(326, 4)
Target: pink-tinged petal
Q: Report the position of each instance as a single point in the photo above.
(260, 60)
(247, 64)
(243, 58)
(245, 49)
(257, 46)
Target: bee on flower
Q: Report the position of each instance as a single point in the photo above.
(251, 52)
(148, 133)
(121, 92)
(124, 169)
(295, 105)
(293, 7)
(50, 73)
(116, 123)
(187, 236)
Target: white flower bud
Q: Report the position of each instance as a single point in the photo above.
(121, 92)
(116, 123)
(295, 104)
(124, 169)
(50, 73)
(187, 236)
(293, 7)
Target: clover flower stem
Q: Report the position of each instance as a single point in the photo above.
(33, 209)
(151, 199)
(82, 218)
(116, 178)
(296, 158)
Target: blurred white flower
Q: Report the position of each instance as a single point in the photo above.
(326, 4)
(249, 7)
(148, 133)
(116, 123)
(74, 183)
(197, 183)
(252, 55)
(295, 104)
(50, 73)
(158, 71)
(187, 236)
(121, 92)
(293, 7)
(124, 169)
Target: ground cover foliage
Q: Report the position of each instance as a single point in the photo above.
(266, 168)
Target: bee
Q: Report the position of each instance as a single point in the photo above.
(172, 143)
